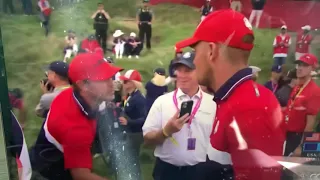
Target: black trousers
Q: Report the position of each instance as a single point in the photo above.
(131, 51)
(208, 170)
(145, 30)
(7, 4)
(293, 140)
(101, 35)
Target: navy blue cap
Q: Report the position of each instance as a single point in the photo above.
(71, 31)
(59, 67)
(276, 69)
(160, 71)
(186, 59)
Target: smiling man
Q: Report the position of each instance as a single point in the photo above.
(303, 105)
(248, 119)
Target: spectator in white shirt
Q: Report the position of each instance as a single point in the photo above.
(182, 147)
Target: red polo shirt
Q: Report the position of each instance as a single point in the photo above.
(248, 126)
(71, 130)
(302, 104)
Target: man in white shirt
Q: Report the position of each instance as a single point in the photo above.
(182, 144)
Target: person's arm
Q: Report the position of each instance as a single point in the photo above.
(106, 14)
(77, 154)
(137, 16)
(152, 128)
(44, 104)
(152, 16)
(201, 9)
(141, 104)
(288, 44)
(275, 42)
(94, 14)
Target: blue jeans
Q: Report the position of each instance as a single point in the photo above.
(279, 61)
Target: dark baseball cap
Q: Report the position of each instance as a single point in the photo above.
(276, 69)
(59, 67)
(160, 71)
(186, 59)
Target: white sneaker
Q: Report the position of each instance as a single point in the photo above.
(137, 56)
(129, 57)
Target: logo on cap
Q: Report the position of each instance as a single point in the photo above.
(247, 23)
(187, 55)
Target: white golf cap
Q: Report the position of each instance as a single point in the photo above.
(284, 27)
(132, 34)
(255, 69)
(306, 27)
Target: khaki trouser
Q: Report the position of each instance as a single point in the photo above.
(236, 5)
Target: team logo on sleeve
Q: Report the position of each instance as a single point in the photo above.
(247, 23)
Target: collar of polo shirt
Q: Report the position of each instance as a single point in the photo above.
(181, 94)
(84, 107)
(238, 78)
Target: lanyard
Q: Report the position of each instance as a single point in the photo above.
(61, 88)
(126, 101)
(196, 108)
(274, 87)
(295, 97)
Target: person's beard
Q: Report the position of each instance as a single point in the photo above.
(207, 79)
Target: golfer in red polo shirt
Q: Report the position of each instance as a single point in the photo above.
(248, 119)
(303, 105)
(63, 148)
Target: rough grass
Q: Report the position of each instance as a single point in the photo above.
(27, 50)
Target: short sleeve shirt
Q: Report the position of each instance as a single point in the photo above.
(71, 127)
(248, 126)
(300, 105)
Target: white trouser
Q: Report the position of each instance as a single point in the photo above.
(73, 51)
(255, 14)
(236, 5)
(119, 49)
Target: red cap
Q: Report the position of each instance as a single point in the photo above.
(222, 26)
(309, 59)
(131, 75)
(89, 66)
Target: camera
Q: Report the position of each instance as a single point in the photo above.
(49, 86)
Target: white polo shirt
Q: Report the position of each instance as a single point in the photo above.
(163, 109)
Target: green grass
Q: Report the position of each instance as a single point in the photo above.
(27, 50)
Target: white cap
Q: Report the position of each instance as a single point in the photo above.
(306, 27)
(284, 27)
(255, 69)
(117, 33)
(132, 34)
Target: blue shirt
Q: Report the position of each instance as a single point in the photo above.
(135, 111)
(153, 92)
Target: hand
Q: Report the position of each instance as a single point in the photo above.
(138, 22)
(44, 87)
(281, 43)
(297, 152)
(175, 124)
(149, 23)
(123, 121)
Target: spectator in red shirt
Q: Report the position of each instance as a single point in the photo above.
(248, 119)
(62, 150)
(304, 40)
(303, 105)
(90, 44)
